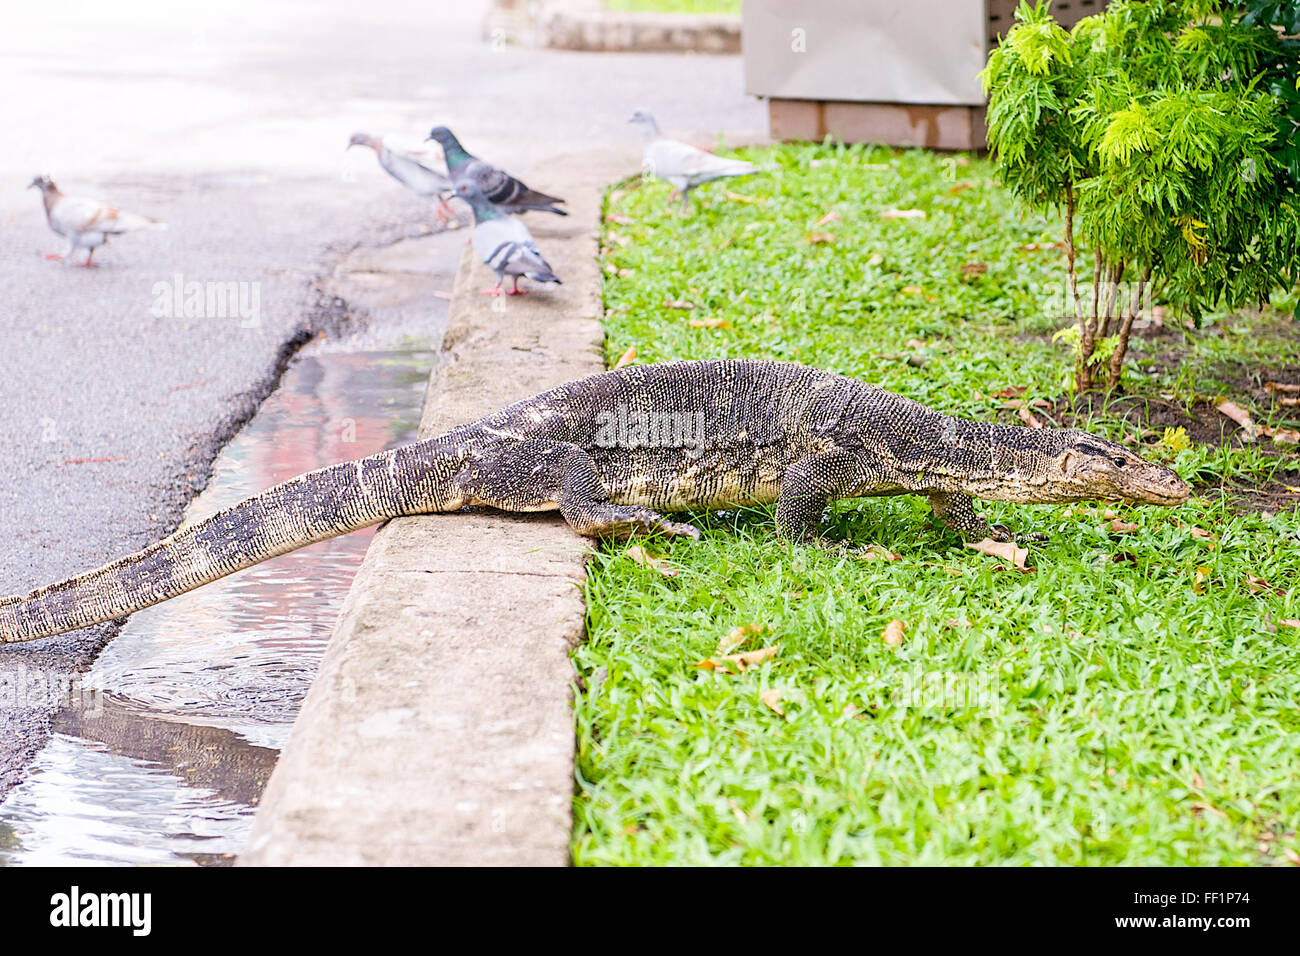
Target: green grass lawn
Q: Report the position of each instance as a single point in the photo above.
(1131, 699)
(675, 6)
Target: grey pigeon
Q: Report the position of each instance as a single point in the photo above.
(410, 172)
(500, 188)
(86, 223)
(680, 163)
(504, 243)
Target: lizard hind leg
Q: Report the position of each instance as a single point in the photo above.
(538, 475)
(585, 504)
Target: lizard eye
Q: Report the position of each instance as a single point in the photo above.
(1119, 462)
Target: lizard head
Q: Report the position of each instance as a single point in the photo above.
(1089, 468)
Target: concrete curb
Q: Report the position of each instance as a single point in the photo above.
(588, 25)
(439, 728)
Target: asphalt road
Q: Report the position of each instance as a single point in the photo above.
(228, 122)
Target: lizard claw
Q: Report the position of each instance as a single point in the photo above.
(1000, 532)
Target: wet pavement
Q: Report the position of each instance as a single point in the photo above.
(173, 732)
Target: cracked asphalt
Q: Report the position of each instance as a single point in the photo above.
(230, 123)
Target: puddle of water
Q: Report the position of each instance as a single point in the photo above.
(182, 717)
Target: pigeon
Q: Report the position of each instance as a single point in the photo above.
(500, 188)
(680, 163)
(410, 172)
(86, 223)
(504, 243)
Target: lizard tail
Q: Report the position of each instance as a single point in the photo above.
(314, 506)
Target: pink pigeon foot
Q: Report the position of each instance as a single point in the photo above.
(54, 256)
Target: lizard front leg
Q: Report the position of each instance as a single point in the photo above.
(957, 512)
(812, 483)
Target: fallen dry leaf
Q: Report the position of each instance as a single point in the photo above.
(641, 556)
(737, 197)
(851, 710)
(974, 269)
(902, 214)
(772, 698)
(1240, 416)
(893, 635)
(628, 358)
(1006, 550)
(876, 552)
(1200, 807)
(1026, 416)
(1292, 856)
(678, 304)
(619, 218)
(738, 662)
(1198, 585)
(915, 344)
(1290, 402)
(1281, 387)
(738, 636)
(818, 238)
(1011, 391)
(1289, 622)
(960, 187)
(830, 217)
(1258, 585)
(1122, 527)
(1199, 533)
(1198, 781)
(712, 323)
(1283, 436)
(912, 289)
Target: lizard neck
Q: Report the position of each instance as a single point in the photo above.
(1010, 462)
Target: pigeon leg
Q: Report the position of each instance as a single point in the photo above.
(496, 289)
(516, 290)
(686, 201)
(88, 264)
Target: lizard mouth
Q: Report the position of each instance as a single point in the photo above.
(1166, 490)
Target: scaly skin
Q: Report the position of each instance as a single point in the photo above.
(612, 453)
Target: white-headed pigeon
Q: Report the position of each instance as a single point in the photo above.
(411, 173)
(86, 223)
(680, 163)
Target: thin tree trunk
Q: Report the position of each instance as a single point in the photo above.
(1071, 277)
(1121, 347)
(1112, 294)
(1088, 332)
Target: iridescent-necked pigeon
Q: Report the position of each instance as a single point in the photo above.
(410, 172)
(500, 188)
(680, 163)
(504, 243)
(86, 223)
